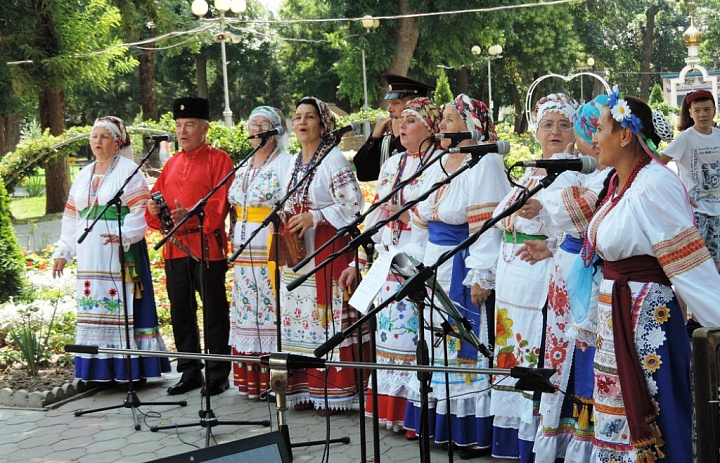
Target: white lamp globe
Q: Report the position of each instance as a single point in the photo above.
(238, 6)
(222, 5)
(199, 8)
(476, 50)
(495, 50)
(367, 21)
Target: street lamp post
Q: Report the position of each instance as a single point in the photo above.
(493, 54)
(590, 63)
(369, 23)
(199, 8)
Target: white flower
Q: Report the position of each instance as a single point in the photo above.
(621, 110)
(651, 386)
(655, 337)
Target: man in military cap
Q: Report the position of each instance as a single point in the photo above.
(384, 141)
(186, 178)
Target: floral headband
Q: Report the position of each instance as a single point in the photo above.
(585, 119)
(327, 118)
(621, 112)
(116, 127)
(424, 109)
(476, 116)
(556, 103)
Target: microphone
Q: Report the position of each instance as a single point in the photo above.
(168, 137)
(583, 164)
(473, 135)
(501, 147)
(353, 127)
(277, 130)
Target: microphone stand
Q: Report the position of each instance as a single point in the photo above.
(208, 419)
(352, 228)
(369, 232)
(414, 289)
(274, 217)
(132, 401)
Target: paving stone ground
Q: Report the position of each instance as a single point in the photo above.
(50, 436)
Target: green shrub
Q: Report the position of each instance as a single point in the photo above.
(12, 272)
(35, 186)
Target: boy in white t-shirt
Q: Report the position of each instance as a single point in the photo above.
(696, 150)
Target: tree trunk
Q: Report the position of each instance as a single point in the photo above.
(647, 45)
(9, 133)
(149, 96)
(406, 38)
(201, 70)
(147, 86)
(521, 122)
(463, 82)
(57, 174)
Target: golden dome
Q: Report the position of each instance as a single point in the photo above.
(692, 35)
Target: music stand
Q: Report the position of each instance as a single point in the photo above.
(132, 401)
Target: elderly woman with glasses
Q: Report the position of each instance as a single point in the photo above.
(521, 289)
(257, 186)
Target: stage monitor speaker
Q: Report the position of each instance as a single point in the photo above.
(706, 379)
(267, 448)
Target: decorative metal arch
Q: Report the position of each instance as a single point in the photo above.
(529, 101)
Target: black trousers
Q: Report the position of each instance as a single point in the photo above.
(183, 281)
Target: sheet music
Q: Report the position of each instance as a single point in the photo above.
(375, 278)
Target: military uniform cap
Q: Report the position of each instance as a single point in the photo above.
(191, 108)
(401, 86)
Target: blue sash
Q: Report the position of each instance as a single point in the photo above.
(451, 235)
(572, 245)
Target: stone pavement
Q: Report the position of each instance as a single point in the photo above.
(57, 435)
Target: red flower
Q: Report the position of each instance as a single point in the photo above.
(87, 283)
(507, 360)
(557, 355)
(112, 292)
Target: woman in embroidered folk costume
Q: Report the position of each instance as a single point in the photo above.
(521, 289)
(397, 325)
(100, 307)
(565, 429)
(442, 221)
(328, 199)
(644, 232)
(257, 187)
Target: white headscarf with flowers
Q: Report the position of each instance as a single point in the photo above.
(116, 127)
(556, 103)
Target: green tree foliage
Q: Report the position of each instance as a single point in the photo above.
(657, 95)
(443, 94)
(12, 269)
(66, 45)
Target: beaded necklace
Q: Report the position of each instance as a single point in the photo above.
(590, 242)
(248, 178)
(299, 200)
(92, 199)
(399, 197)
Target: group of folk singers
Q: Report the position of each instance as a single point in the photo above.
(587, 278)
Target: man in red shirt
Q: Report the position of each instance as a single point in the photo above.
(186, 178)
